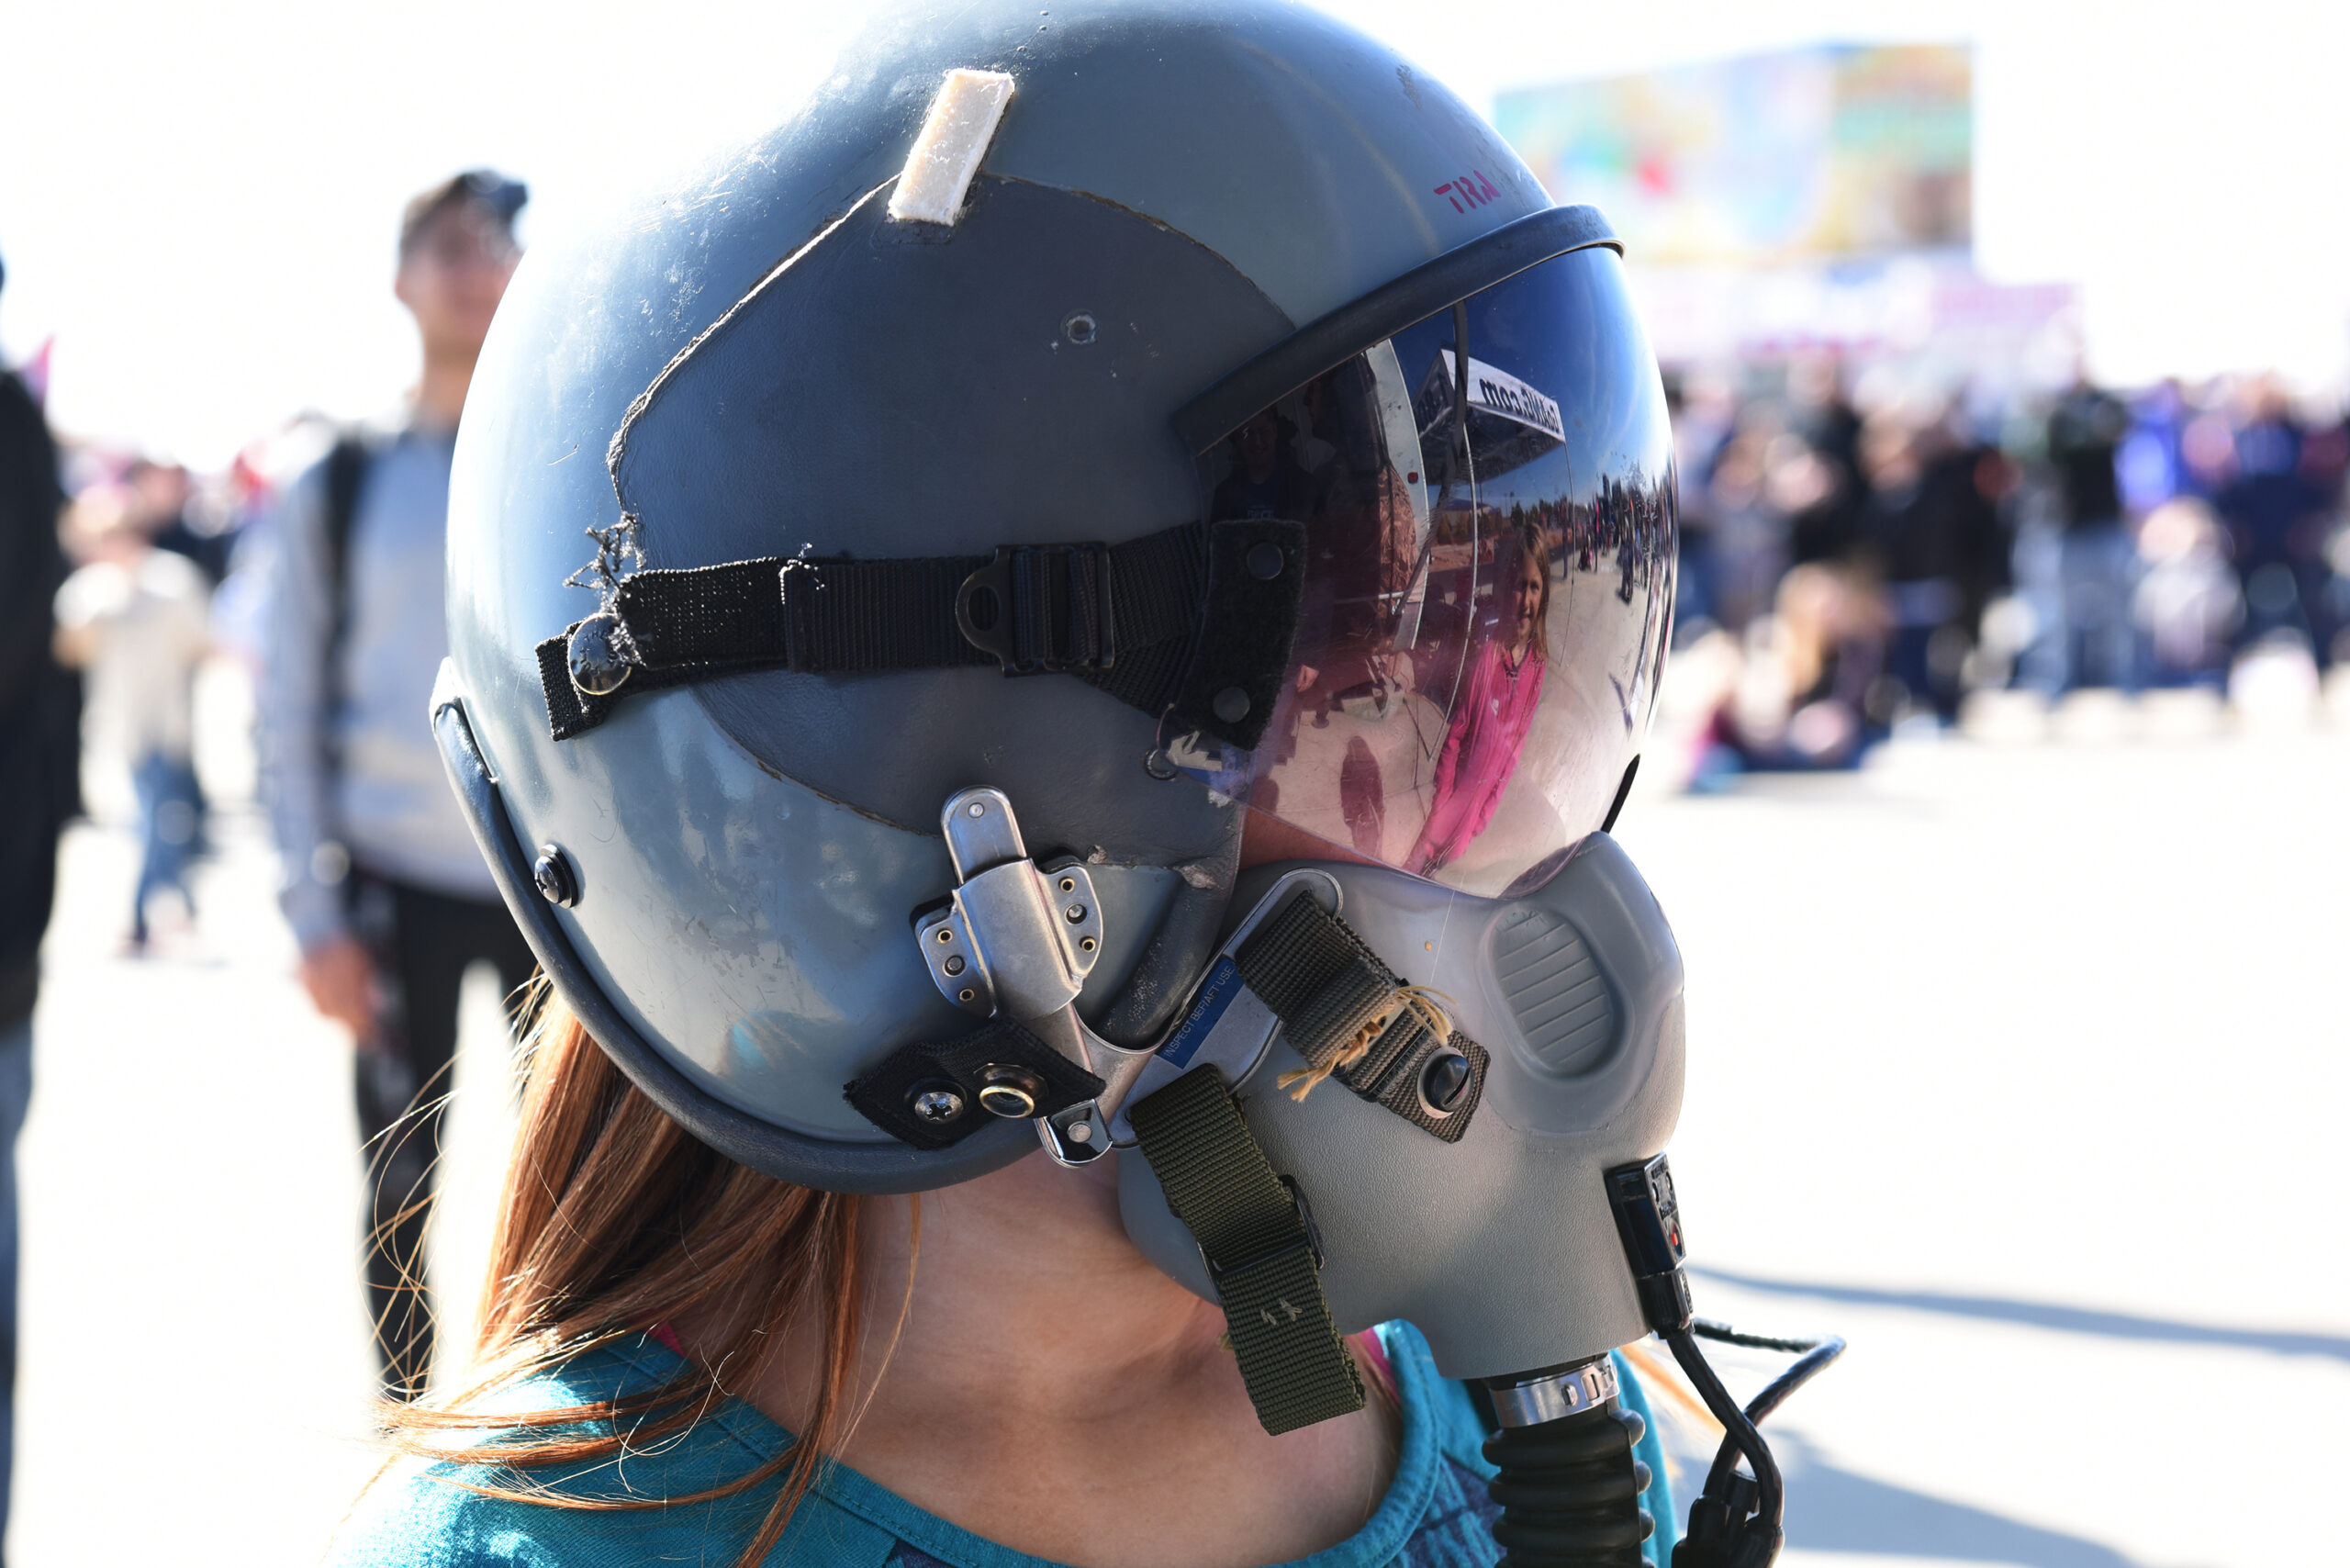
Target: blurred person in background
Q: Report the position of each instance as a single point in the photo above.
(40, 791)
(1933, 525)
(1800, 700)
(2278, 504)
(168, 504)
(387, 895)
(1818, 477)
(2085, 584)
(2186, 605)
(134, 617)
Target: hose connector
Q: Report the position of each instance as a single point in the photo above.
(1569, 1485)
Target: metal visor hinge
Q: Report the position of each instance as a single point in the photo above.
(1015, 943)
(1042, 609)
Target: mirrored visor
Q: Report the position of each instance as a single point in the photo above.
(1488, 501)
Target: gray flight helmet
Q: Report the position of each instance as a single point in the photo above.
(719, 876)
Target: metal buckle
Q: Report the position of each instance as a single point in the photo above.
(1016, 941)
(1008, 608)
(1311, 1241)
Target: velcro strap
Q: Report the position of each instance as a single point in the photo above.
(1254, 1232)
(814, 616)
(1126, 618)
(1327, 987)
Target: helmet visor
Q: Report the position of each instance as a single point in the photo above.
(1488, 500)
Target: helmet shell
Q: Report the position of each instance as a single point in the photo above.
(752, 362)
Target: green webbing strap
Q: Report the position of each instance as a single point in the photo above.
(1252, 1229)
(1326, 986)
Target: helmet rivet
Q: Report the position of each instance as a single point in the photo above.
(596, 665)
(946, 934)
(1265, 562)
(966, 995)
(954, 965)
(977, 809)
(1088, 943)
(1010, 1092)
(557, 882)
(1443, 1082)
(1080, 328)
(937, 1103)
(1068, 884)
(1076, 913)
(1231, 705)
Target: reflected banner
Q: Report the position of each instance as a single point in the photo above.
(1836, 150)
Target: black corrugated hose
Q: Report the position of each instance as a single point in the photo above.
(1569, 1491)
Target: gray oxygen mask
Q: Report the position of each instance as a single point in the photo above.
(1456, 1173)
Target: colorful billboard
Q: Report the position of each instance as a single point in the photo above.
(1831, 151)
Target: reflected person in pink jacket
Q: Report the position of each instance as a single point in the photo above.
(1497, 710)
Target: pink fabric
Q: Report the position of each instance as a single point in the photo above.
(667, 1336)
(1480, 751)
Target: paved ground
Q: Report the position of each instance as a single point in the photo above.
(2020, 1066)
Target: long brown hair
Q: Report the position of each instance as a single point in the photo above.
(614, 1221)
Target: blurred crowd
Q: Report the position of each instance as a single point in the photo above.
(1860, 554)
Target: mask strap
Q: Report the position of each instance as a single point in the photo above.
(1257, 1237)
(1351, 1019)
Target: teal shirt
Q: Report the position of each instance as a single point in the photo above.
(1436, 1514)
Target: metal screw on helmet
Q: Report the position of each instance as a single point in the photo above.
(937, 1103)
(596, 665)
(1010, 1092)
(1231, 705)
(1080, 328)
(1443, 1081)
(1265, 563)
(557, 882)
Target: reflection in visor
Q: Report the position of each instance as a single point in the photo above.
(1490, 552)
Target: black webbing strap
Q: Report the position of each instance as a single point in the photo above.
(1261, 1250)
(1327, 987)
(815, 616)
(1196, 621)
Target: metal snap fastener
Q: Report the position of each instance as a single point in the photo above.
(1265, 562)
(937, 1103)
(1010, 1092)
(557, 882)
(1443, 1082)
(596, 665)
(1231, 705)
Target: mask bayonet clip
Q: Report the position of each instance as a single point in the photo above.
(1017, 942)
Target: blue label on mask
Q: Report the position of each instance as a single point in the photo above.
(1222, 985)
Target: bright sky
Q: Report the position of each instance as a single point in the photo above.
(198, 202)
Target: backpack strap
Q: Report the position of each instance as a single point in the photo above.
(346, 466)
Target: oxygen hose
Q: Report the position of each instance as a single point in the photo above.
(1569, 1487)
(1568, 1484)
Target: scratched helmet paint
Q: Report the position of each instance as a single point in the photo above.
(1227, 416)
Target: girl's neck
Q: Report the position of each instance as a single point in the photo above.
(1046, 1387)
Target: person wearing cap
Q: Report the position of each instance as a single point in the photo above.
(383, 886)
